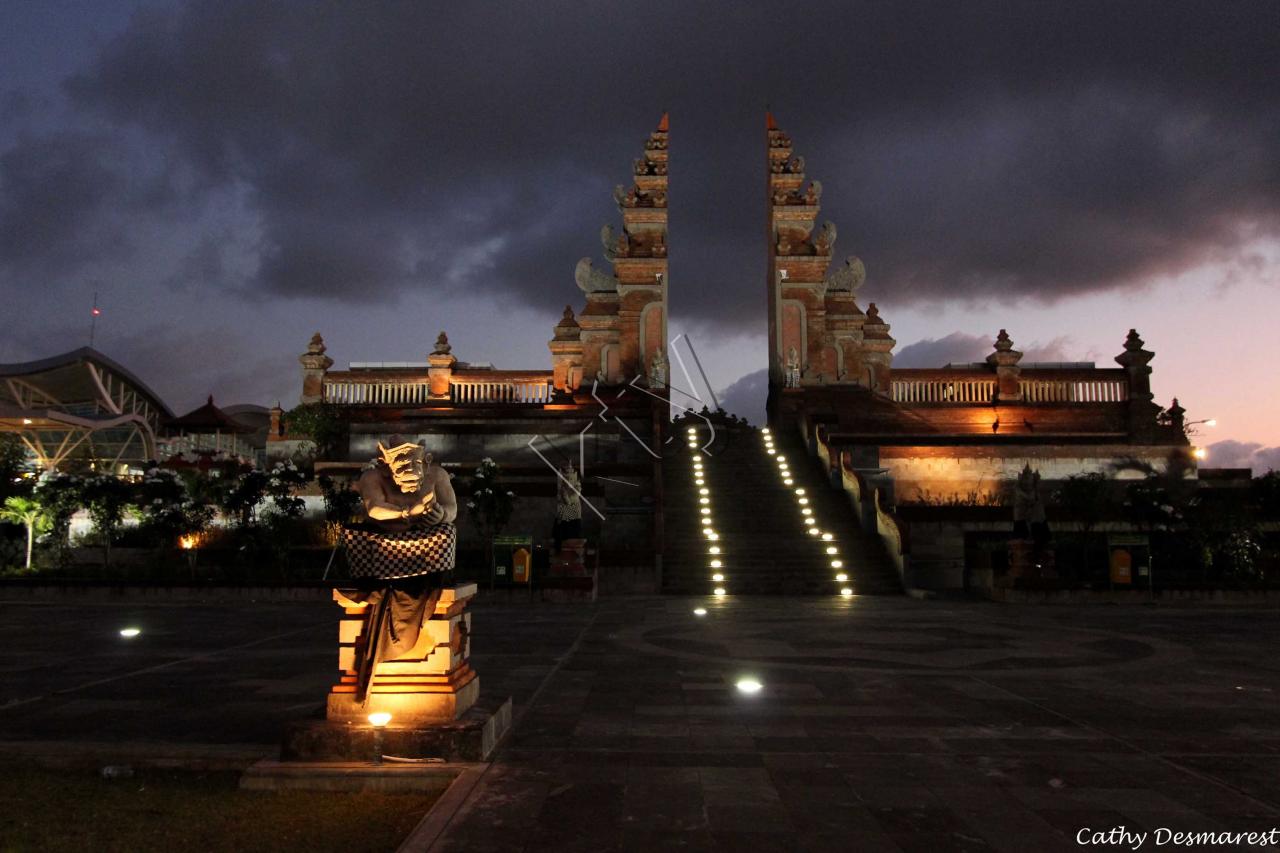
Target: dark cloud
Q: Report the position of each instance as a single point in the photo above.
(969, 151)
(747, 396)
(963, 348)
(252, 172)
(1243, 454)
(957, 347)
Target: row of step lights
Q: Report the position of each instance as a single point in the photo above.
(828, 539)
(704, 510)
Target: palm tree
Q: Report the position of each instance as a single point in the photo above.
(30, 514)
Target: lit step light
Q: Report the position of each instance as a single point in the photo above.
(719, 591)
(130, 633)
(846, 592)
(717, 577)
(832, 550)
(842, 577)
(749, 686)
(699, 611)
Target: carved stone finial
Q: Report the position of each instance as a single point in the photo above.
(316, 346)
(1133, 342)
(849, 276)
(1003, 341)
(592, 280)
(443, 347)
(873, 314)
(567, 319)
(825, 240)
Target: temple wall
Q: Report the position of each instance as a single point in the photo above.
(948, 473)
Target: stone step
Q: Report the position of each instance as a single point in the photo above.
(767, 548)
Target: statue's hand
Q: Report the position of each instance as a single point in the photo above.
(424, 503)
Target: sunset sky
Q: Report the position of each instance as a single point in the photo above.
(230, 177)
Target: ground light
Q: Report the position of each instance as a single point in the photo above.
(130, 633)
(378, 720)
(699, 611)
(719, 591)
(846, 592)
(749, 686)
(841, 578)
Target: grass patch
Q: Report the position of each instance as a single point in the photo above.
(190, 811)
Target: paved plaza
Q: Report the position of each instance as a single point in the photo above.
(880, 724)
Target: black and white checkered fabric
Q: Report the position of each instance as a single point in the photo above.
(405, 554)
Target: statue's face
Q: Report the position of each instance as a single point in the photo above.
(408, 463)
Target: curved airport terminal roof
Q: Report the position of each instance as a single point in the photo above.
(65, 383)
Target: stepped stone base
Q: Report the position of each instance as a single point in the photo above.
(431, 683)
(473, 737)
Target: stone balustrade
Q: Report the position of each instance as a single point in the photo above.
(354, 388)
(976, 388)
(531, 391)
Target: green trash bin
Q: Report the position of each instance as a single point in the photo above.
(512, 561)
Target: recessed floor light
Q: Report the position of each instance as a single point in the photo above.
(749, 685)
(130, 633)
(699, 611)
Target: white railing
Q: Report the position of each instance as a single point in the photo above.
(1074, 390)
(403, 393)
(981, 391)
(345, 391)
(528, 391)
(942, 390)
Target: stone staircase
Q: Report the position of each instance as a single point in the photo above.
(763, 540)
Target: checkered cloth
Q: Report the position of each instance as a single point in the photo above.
(404, 554)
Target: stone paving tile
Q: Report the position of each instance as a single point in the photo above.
(895, 725)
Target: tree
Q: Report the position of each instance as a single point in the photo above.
(167, 508)
(13, 462)
(107, 498)
(322, 423)
(1087, 499)
(490, 505)
(29, 513)
(61, 495)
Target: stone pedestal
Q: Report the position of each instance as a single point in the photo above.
(432, 683)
